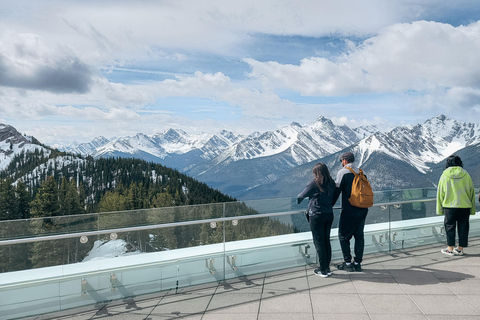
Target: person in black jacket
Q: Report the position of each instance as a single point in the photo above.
(320, 192)
(352, 219)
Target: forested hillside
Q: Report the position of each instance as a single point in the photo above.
(62, 189)
(53, 183)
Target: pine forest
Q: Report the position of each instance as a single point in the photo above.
(49, 193)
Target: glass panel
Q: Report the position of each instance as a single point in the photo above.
(17, 229)
(15, 257)
(173, 257)
(262, 244)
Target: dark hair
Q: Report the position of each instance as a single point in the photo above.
(453, 161)
(322, 176)
(347, 156)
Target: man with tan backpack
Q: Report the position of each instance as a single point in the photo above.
(357, 197)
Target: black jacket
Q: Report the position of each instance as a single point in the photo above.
(319, 202)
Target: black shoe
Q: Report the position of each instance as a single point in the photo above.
(320, 273)
(357, 267)
(329, 272)
(345, 266)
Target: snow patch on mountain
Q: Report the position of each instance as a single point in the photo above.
(12, 143)
(422, 144)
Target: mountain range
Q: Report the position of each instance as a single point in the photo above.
(278, 163)
(268, 164)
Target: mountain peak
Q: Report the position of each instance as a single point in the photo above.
(439, 118)
(321, 118)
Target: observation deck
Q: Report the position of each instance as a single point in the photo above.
(238, 260)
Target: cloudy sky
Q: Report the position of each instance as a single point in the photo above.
(74, 70)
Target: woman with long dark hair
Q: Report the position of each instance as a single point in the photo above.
(320, 211)
(455, 200)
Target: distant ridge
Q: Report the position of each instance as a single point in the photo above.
(238, 164)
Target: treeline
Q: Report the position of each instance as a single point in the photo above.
(63, 189)
(85, 185)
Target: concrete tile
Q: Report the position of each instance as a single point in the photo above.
(234, 303)
(432, 304)
(172, 316)
(285, 273)
(296, 282)
(207, 288)
(342, 316)
(405, 261)
(433, 288)
(333, 284)
(474, 270)
(420, 275)
(337, 303)
(472, 300)
(121, 313)
(464, 286)
(286, 303)
(389, 304)
(452, 273)
(451, 317)
(285, 316)
(460, 261)
(468, 259)
(229, 316)
(182, 304)
(74, 314)
(369, 272)
(398, 317)
(254, 286)
(78, 316)
(128, 310)
(380, 285)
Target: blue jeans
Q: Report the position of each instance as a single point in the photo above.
(321, 224)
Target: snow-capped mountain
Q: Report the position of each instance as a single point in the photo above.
(422, 144)
(303, 144)
(85, 149)
(130, 146)
(234, 163)
(12, 143)
(407, 156)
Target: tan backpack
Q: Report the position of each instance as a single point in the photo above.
(362, 194)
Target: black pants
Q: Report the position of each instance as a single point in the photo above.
(457, 218)
(351, 225)
(321, 225)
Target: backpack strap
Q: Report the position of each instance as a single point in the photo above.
(353, 171)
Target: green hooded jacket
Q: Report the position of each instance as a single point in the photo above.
(455, 190)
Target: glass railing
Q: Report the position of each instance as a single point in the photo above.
(52, 264)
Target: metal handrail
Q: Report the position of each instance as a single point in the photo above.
(175, 224)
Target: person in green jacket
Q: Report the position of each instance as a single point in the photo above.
(455, 200)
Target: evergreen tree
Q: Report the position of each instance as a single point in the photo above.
(112, 201)
(46, 202)
(23, 201)
(8, 204)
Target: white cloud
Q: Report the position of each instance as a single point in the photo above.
(52, 55)
(420, 56)
(219, 87)
(27, 62)
(124, 30)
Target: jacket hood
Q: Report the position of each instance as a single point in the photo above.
(455, 172)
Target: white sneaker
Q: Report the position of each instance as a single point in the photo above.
(447, 252)
(457, 252)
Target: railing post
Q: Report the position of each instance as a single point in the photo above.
(224, 246)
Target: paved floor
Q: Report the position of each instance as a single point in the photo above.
(420, 283)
